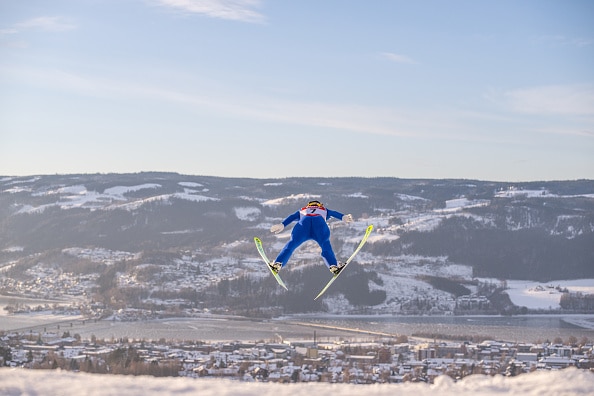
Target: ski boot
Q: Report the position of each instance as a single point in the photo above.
(275, 267)
(335, 269)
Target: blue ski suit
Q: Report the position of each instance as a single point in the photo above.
(311, 225)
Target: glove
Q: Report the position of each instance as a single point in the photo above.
(347, 218)
(277, 228)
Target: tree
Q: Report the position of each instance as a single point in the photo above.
(6, 354)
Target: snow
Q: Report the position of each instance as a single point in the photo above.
(118, 193)
(122, 190)
(17, 189)
(189, 195)
(357, 195)
(457, 203)
(535, 295)
(513, 192)
(13, 249)
(422, 222)
(190, 184)
(75, 189)
(247, 213)
(406, 197)
(570, 381)
(465, 203)
(77, 196)
(290, 199)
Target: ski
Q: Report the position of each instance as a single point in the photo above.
(367, 232)
(267, 261)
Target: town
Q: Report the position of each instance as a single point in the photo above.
(357, 361)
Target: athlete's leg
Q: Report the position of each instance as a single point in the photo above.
(321, 234)
(298, 236)
(328, 253)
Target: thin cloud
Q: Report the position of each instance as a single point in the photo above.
(356, 118)
(398, 58)
(574, 99)
(447, 124)
(45, 23)
(6, 32)
(565, 41)
(12, 36)
(235, 10)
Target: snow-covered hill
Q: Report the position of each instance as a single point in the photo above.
(434, 240)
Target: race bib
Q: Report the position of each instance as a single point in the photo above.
(313, 211)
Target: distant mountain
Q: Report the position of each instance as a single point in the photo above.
(535, 231)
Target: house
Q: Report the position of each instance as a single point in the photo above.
(555, 362)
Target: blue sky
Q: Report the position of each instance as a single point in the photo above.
(491, 90)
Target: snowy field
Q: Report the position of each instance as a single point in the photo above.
(43, 382)
(535, 295)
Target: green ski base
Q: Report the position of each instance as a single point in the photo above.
(267, 261)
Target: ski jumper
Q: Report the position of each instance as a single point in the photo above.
(311, 225)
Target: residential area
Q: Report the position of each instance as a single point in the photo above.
(342, 361)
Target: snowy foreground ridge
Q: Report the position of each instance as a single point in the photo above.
(55, 382)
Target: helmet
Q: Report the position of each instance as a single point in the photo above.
(314, 203)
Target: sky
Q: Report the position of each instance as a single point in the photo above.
(13, 382)
(489, 90)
